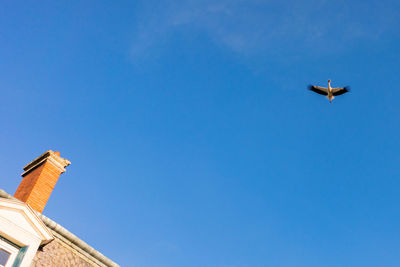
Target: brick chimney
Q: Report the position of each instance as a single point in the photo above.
(39, 179)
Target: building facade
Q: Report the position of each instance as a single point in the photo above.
(27, 237)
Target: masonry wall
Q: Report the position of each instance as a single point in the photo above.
(59, 254)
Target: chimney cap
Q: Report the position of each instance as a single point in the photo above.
(50, 155)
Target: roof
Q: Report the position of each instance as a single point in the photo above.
(71, 239)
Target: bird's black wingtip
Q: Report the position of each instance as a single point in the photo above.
(310, 87)
(347, 88)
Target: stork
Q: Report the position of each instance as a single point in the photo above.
(329, 92)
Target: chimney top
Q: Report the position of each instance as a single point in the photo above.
(53, 157)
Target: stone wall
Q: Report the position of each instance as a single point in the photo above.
(58, 254)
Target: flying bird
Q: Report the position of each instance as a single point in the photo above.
(329, 92)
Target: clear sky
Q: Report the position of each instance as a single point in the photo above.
(192, 136)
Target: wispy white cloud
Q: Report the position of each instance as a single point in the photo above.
(253, 26)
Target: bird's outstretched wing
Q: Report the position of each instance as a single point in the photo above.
(318, 89)
(340, 91)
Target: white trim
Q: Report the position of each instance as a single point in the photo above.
(10, 249)
(56, 164)
(20, 225)
(29, 215)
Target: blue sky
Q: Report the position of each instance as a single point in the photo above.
(192, 137)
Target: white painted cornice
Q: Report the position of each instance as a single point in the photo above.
(25, 218)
